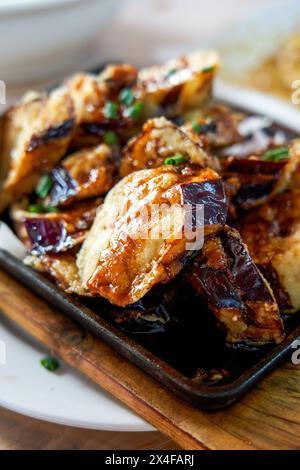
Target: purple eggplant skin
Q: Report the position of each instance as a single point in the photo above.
(64, 186)
(53, 133)
(255, 180)
(47, 235)
(245, 273)
(254, 167)
(210, 194)
(226, 277)
(252, 193)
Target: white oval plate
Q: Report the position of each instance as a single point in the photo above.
(64, 397)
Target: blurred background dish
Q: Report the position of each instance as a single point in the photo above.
(45, 38)
(263, 52)
(276, 73)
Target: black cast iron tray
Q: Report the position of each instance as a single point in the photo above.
(253, 364)
(175, 354)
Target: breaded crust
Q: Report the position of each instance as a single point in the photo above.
(85, 174)
(61, 267)
(225, 276)
(272, 234)
(129, 250)
(34, 137)
(160, 139)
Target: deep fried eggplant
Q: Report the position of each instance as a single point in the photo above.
(225, 276)
(55, 231)
(272, 236)
(130, 249)
(90, 95)
(34, 137)
(178, 86)
(216, 127)
(252, 182)
(85, 174)
(61, 268)
(159, 140)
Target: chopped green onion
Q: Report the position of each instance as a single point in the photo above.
(171, 72)
(44, 186)
(50, 363)
(208, 69)
(275, 155)
(36, 208)
(110, 110)
(127, 97)
(51, 209)
(197, 127)
(175, 160)
(110, 138)
(134, 111)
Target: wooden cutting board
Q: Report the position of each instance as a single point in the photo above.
(267, 418)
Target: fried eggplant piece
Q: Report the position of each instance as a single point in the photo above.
(34, 136)
(253, 181)
(56, 231)
(82, 175)
(257, 135)
(225, 276)
(169, 90)
(155, 313)
(159, 140)
(178, 86)
(244, 146)
(60, 267)
(130, 248)
(217, 127)
(90, 95)
(272, 234)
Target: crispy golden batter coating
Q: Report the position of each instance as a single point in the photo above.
(129, 250)
(216, 126)
(61, 267)
(90, 93)
(178, 86)
(241, 299)
(171, 89)
(34, 137)
(160, 139)
(251, 182)
(53, 232)
(272, 234)
(82, 175)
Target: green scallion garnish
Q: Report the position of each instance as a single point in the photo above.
(110, 110)
(36, 208)
(277, 154)
(208, 69)
(134, 111)
(44, 186)
(127, 97)
(50, 363)
(197, 127)
(51, 209)
(171, 72)
(110, 138)
(175, 160)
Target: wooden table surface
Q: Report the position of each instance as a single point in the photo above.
(22, 433)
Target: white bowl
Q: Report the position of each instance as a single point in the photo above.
(41, 39)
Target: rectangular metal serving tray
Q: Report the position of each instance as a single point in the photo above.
(208, 397)
(203, 396)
